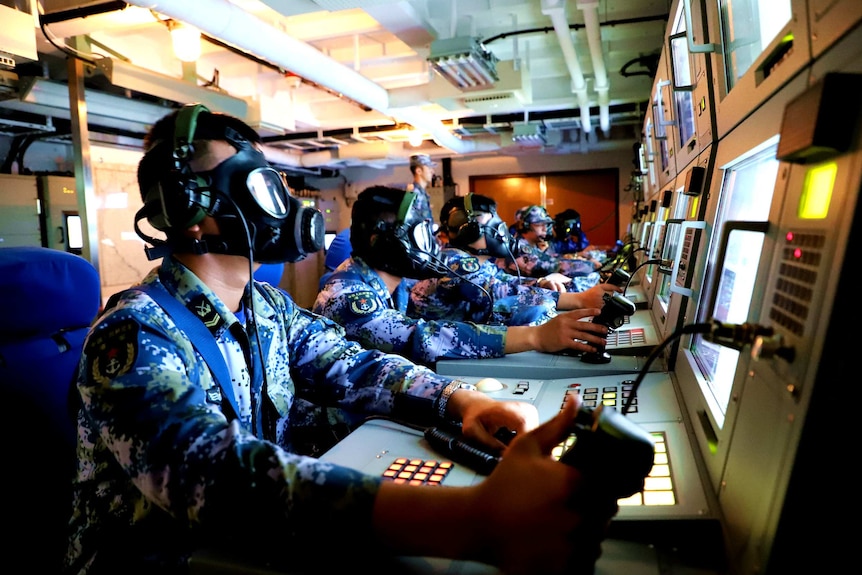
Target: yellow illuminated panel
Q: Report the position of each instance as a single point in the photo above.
(692, 213)
(817, 191)
(658, 485)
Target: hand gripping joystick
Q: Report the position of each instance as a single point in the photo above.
(613, 315)
(614, 456)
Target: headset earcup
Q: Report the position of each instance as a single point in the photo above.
(178, 192)
(179, 209)
(469, 232)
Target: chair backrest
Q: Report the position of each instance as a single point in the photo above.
(270, 273)
(50, 297)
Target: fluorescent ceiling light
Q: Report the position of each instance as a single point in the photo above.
(530, 134)
(49, 98)
(464, 62)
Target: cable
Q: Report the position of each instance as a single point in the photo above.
(734, 336)
(634, 271)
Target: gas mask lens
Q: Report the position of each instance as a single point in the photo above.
(268, 190)
(423, 237)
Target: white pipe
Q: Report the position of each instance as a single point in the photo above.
(556, 10)
(229, 23)
(590, 9)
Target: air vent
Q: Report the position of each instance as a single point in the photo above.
(801, 258)
(492, 102)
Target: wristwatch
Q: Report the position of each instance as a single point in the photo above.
(443, 400)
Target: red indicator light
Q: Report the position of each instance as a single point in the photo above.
(789, 236)
(797, 253)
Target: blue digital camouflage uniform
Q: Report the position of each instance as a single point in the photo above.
(571, 244)
(536, 263)
(357, 298)
(422, 202)
(150, 407)
(464, 294)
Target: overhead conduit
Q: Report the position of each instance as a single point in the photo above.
(233, 25)
(590, 8)
(556, 11)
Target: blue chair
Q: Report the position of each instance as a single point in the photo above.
(50, 298)
(270, 273)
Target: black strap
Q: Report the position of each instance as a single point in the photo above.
(198, 334)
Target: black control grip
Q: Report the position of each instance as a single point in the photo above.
(453, 446)
(613, 314)
(619, 278)
(612, 452)
(614, 456)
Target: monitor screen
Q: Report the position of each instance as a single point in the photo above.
(74, 233)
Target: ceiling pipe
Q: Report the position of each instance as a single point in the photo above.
(590, 8)
(556, 11)
(231, 24)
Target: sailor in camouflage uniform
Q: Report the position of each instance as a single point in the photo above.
(422, 169)
(538, 259)
(179, 450)
(369, 297)
(475, 289)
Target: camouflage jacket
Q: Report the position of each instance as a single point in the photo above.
(162, 468)
(537, 263)
(481, 292)
(356, 297)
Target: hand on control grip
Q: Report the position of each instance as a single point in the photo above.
(614, 456)
(613, 315)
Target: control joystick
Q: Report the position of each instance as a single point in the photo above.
(614, 456)
(619, 277)
(613, 315)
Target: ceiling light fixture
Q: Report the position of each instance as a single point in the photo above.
(530, 134)
(415, 138)
(464, 62)
(126, 75)
(186, 41)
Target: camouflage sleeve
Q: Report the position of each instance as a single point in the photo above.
(369, 320)
(147, 417)
(533, 263)
(575, 267)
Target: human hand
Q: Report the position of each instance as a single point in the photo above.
(595, 296)
(531, 498)
(569, 331)
(482, 417)
(554, 281)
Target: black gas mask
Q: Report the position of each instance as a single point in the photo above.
(256, 214)
(465, 229)
(405, 247)
(275, 224)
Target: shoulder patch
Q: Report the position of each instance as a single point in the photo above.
(469, 264)
(362, 303)
(113, 351)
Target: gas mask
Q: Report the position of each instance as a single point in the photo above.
(405, 247)
(500, 243)
(267, 218)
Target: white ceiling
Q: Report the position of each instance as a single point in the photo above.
(367, 84)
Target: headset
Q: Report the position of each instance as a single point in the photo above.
(409, 232)
(181, 198)
(406, 247)
(470, 229)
